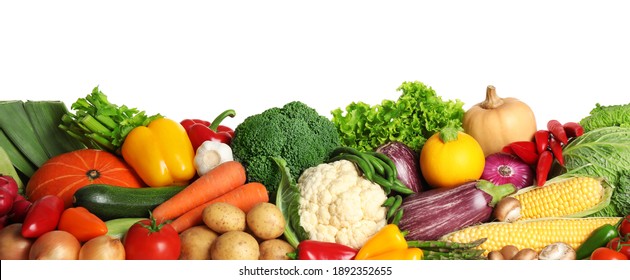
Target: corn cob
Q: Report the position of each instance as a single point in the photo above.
(576, 196)
(534, 234)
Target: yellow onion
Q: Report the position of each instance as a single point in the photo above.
(13, 246)
(55, 245)
(103, 247)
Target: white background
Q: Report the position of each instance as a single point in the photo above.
(188, 59)
(197, 58)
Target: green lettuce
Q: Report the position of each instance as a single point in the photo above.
(603, 152)
(417, 114)
(604, 116)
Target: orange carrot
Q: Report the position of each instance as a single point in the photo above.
(220, 180)
(243, 197)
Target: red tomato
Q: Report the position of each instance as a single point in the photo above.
(148, 240)
(604, 253)
(624, 227)
(619, 245)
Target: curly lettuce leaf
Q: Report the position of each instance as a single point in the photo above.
(417, 114)
(288, 200)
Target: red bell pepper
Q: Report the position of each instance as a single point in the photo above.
(200, 131)
(43, 216)
(320, 250)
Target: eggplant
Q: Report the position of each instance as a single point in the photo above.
(407, 163)
(432, 214)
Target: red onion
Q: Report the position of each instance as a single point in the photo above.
(504, 168)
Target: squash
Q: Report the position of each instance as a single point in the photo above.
(497, 122)
(451, 158)
(64, 174)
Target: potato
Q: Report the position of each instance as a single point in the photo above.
(275, 249)
(265, 220)
(196, 242)
(235, 245)
(223, 217)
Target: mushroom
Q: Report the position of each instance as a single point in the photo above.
(508, 210)
(526, 254)
(557, 251)
(509, 251)
(495, 255)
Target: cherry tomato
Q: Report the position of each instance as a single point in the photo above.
(624, 227)
(619, 245)
(604, 253)
(148, 240)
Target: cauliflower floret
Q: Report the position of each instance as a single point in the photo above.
(338, 205)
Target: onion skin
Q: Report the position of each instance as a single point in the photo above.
(13, 246)
(407, 163)
(502, 168)
(103, 247)
(55, 245)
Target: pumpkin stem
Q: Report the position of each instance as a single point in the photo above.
(492, 100)
(93, 174)
(449, 134)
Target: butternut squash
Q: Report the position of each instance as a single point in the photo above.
(497, 121)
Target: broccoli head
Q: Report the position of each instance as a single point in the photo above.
(295, 132)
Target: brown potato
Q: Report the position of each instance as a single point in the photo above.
(275, 249)
(223, 217)
(265, 220)
(196, 242)
(235, 245)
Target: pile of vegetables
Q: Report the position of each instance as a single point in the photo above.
(417, 178)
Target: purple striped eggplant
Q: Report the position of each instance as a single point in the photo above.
(406, 162)
(431, 214)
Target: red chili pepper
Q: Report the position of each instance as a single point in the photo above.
(43, 216)
(543, 166)
(320, 250)
(200, 131)
(541, 138)
(525, 150)
(556, 150)
(573, 129)
(557, 131)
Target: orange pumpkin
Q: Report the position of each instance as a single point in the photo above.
(64, 174)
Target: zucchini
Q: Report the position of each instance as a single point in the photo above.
(112, 202)
(117, 228)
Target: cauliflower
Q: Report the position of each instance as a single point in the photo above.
(338, 205)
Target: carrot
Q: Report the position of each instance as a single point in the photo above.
(220, 180)
(244, 197)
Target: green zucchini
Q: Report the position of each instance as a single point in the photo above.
(117, 228)
(112, 202)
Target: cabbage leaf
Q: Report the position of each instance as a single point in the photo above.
(603, 152)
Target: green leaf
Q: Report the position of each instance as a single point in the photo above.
(288, 200)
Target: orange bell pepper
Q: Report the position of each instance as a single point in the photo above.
(79, 222)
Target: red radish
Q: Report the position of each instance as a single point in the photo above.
(8, 183)
(20, 208)
(6, 202)
(503, 168)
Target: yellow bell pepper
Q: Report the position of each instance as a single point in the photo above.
(386, 240)
(161, 153)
